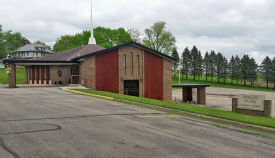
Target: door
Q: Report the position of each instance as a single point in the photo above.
(131, 87)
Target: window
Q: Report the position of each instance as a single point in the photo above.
(131, 63)
(124, 64)
(36, 53)
(28, 54)
(137, 65)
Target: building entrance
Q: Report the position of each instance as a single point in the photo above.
(131, 87)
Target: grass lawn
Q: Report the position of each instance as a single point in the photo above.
(256, 120)
(20, 76)
(221, 85)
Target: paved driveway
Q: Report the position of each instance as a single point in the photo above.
(221, 98)
(48, 122)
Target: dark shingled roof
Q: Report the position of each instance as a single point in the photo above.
(124, 45)
(34, 48)
(73, 53)
(82, 52)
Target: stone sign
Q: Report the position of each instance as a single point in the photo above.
(251, 102)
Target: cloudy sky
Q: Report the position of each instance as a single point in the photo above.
(232, 27)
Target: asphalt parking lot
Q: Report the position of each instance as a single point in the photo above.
(48, 122)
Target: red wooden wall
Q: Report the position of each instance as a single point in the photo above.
(107, 72)
(33, 73)
(153, 74)
(42, 75)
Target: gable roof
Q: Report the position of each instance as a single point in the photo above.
(124, 45)
(82, 52)
(33, 47)
(73, 53)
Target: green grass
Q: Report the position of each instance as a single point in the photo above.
(20, 76)
(220, 85)
(256, 120)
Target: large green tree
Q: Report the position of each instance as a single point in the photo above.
(105, 37)
(2, 43)
(158, 38)
(212, 65)
(219, 61)
(185, 62)
(232, 68)
(13, 41)
(194, 62)
(245, 68)
(273, 72)
(175, 64)
(266, 70)
(252, 71)
(206, 64)
(238, 69)
(10, 41)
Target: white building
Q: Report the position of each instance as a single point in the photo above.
(31, 51)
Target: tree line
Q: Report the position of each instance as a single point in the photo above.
(214, 64)
(155, 37)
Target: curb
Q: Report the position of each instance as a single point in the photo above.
(83, 93)
(207, 118)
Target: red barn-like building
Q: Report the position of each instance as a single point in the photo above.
(130, 69)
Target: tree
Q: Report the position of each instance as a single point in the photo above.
(194, 62)
(206, 64)
(252, 71)
(2, 44)
(185, 62)
(238, 69)
(273, 72)
(224, 69)
(13, 41)
(135, 34)
(219, 62)
(232, 68)
(266, 69)
(105, 37)
(175, 64)
(199, 65)
(39, 42)
(157, 38)
(212, 64)
(245, 67)
(10, 41)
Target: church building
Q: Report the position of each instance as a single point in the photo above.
(130, 68)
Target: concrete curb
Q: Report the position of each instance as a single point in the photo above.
(204, 117)
(83, 93)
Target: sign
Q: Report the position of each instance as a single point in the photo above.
(251, 102)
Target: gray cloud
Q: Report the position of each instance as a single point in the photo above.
(232, 27)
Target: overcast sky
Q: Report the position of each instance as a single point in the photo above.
(232, 27)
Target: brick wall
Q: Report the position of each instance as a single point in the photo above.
(12, 76)
(129, 74)
(167, 80)
(64, 78)
(87, 72)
